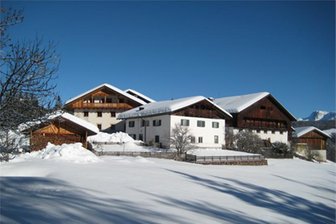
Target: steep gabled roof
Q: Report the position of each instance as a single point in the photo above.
(236, 104)
(142, 97)
(59, 115)
(115, 89)
(300, 131)
(167, 106)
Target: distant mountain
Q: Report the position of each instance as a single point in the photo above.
(320, 116)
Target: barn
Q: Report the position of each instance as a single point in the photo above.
(310, 138)
(58, 129)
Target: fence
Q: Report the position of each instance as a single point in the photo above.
(228, 160)
(163, 155)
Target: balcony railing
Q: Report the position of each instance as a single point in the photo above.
(114, 106)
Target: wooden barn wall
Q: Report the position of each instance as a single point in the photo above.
(265, 114)
(314, 140)
(201, 109)
(56, 133)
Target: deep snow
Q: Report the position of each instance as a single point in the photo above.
(139, 190)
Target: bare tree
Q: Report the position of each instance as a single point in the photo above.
(181, 139)
(27, 71)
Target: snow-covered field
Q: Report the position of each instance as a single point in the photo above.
(47, 188)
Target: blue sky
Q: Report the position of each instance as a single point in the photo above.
(176, 49)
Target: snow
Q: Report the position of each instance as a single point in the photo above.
(110, 87)
(330, 131)
(320, 116)
(85, 124)
(66, 152)
(139, 190)
(299, 131)
(140, 95)
(119, 137)
(235, 104)
(167, 106)
(217, 152)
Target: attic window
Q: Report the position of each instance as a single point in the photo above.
(141, 108)
(262, 107)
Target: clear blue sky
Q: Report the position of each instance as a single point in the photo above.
(175, 49)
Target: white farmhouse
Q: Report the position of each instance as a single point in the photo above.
(153, 122)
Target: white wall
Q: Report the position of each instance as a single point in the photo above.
(168, 123)
(106, 120)
(268, 135)
(207, 132)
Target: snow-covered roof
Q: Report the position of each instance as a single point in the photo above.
(63, 115)
(300, 131)
(110, 87)
(235, 104)
(167, 106)
(130, 91)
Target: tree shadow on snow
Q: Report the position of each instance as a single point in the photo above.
(47, 200)
(275, 200)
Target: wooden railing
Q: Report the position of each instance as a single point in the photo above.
(115, 106)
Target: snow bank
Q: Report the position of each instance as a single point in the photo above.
(68, 152)
(119, 137)
(217, 152)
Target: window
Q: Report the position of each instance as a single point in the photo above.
(133, 136)
(215, 124)
(200, 139)
(144, 123)
(156, 122)
(86, 113)
(184, 122)
(113, 114)
(192, 139)
(200, 123)
(140, 137)
(157, 138)
(263, 107)
(216, 140)
(99, 114)
(131, 124)
(99, 126)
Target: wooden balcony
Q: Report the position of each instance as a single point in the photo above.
(112, 106)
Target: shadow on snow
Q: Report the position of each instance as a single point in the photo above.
(275, 200)
(47, 200)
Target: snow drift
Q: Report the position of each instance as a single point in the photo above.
(119, 138)
(67, 152)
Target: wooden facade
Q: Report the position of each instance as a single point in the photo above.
(266, 114)
(313, 139)
(202, 109)
(102, 98)
(58, 131)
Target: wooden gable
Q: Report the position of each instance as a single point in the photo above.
(266, 114)
(314, 140)
(202, 109)
(103, 98)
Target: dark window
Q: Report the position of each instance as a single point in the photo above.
(200, 139)
(86, 113)
(200, 123)
(192, 139)
(156, 122)
(113, 114)
(131, 124)
(215, 124)
(216, 139)
(144, 123)
(157, 138)
(99, 114)
(99, 126)
(184, 122)
(262, 107)
(140, 137)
